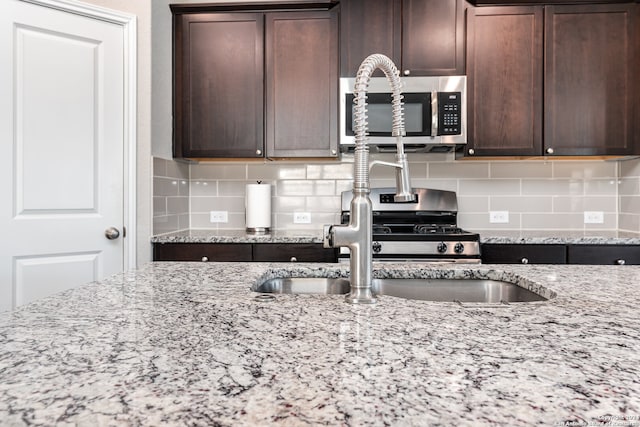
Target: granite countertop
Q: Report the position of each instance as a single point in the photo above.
(238, 236)
(488, 236)
(188, 344)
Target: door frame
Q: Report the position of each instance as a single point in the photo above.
(128, 23)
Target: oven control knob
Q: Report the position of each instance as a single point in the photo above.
(458, 248)
(442, 247)
(377, 247)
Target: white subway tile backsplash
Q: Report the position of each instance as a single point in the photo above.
(629, 222)
(459, 170)
(630, 204)
(177, 205)
(236, 188)
(538, 204)
(539, 195)
(552, 187)
(552, 221)
(218, 171)
(630, 168)
(584, 169)
(341, 171)
(601, 186)
(473, 204)
(520, 169)
(480, 221)
(207, 204)
(284, 204)
(323, 204)
(585, 203)
(204, 188)
(629, 186)
(275, 171)
(163, 187)
(489, 187)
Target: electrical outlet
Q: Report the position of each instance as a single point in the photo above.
(219, 216)
(593, 217)
(301, 218)
(499, 217)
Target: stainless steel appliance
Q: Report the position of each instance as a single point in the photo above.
(424, 229)
(435, 114)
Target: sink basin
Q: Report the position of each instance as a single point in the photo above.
(462, 290)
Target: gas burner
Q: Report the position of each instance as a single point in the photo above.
(436, 229)
(381, 229)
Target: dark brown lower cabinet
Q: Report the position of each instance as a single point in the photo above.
(604, 254)
(244, 252)
(293, 252)
(560, 254)
(524, 254)
(202, 252)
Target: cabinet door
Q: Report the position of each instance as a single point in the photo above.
(202, 252)
(302, 84)
(367, 27)
(590, 70)
(504, 81)
(300, 252)
(604, 254)
(523, 254)
(218, 85)
(433, 37)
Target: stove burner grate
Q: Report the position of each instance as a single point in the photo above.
(436, 229)
(381, 229)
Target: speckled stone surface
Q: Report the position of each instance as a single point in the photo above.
(289, 236)
(189, 344)
(238, 236)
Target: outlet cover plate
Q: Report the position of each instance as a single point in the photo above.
(593, 217)
(302, 218)
(219, 216)
(499, 217)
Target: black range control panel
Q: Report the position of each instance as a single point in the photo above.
(388, 198)
(449, 113)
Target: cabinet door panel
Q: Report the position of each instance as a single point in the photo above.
(604, 254)
(589, 78)
(366, 27)
(302, 79)
(523, 254)
(198, 251)
(504, 78)
(433, 37)
(218, 90)
(301, 252)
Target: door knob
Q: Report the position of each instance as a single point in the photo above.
(112, 233)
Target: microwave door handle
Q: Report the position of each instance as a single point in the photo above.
(434, 114)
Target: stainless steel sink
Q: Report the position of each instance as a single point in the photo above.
(462, 290)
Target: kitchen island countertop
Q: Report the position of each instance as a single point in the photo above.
(188, 344)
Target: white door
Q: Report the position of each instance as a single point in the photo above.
(61, 150)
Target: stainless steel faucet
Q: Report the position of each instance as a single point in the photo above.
(357, 235)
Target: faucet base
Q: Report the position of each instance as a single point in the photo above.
(363, 296)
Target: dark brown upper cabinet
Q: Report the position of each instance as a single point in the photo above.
(422, 37)
(255, 84)
(552, 80)
(301, 80)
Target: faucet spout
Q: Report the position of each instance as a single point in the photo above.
(358, 234)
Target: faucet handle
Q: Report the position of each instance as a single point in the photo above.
(327, 236)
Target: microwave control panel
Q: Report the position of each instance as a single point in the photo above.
(449, 113)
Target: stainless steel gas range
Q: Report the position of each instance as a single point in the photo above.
(424, 229)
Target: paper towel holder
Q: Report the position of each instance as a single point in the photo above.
(261, 226)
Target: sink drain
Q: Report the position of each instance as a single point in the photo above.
(264, 298)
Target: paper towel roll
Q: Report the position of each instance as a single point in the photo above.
(258, 207)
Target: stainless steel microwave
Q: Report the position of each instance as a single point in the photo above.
(435, 114)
